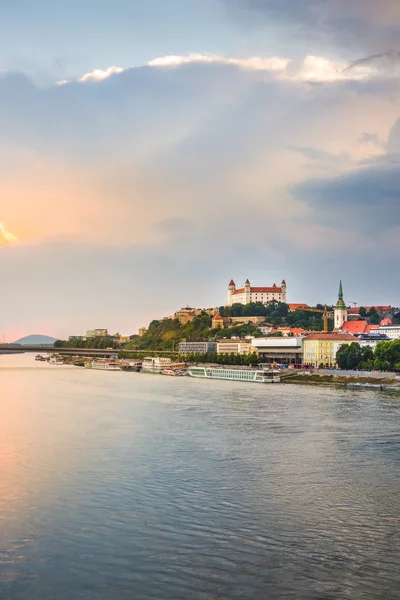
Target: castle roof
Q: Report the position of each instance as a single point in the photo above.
(283, 282)
(247, 282)
(231, 282)
(218, 316)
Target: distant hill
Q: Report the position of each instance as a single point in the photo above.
(36, 340)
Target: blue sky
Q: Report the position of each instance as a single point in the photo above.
(150, 152)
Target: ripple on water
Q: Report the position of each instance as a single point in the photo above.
(150, 487)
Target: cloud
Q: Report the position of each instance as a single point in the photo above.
(252, 63)
(164, 182)
(95, 75)
(358, 23)
(365, 200)
(6, 237)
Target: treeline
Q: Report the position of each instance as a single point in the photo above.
(100, 343)
(385, 357)
(166, 334)
(277, 314)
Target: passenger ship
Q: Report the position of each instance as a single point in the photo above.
(250, 375)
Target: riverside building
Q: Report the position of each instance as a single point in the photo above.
(248, 294)
(193, 347)
(320, 349)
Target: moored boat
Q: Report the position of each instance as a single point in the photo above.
(56, 360)
(40, 357)
(249, 375)
(101, 365)
(173, 372)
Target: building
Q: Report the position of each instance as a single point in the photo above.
(391, 331)
(91, 333)
(292, 331)
(293, 307)
(245, 320)
(234, 346)
(193, 347)
(340, 310)
(142, 331)
(123, 339)
(372, 340)
(248, 294)
(217, 322)
(320, 349)
(184, 315)
(284, 350)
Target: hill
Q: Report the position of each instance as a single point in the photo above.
(36, 340)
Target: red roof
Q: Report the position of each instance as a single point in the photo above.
(231, 282)
(297, 306)
(283, 282)
(369, 328)
(353, 311)
(247, 281)
(274, 290)
(340, 337)
(355, 326)
(368, 308)
(217, 316)
(387, 321)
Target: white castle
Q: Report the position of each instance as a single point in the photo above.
(248, 294)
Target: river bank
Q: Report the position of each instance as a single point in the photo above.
(379, 382)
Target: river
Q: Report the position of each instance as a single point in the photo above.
(126, 486)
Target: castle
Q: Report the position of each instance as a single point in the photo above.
(248, 294)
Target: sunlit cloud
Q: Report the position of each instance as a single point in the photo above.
(253, 63)
(6, 237)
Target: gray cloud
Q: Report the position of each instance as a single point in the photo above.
(357, 23)
(365, 200)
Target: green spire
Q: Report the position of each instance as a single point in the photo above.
(340, 303)
(340, 291)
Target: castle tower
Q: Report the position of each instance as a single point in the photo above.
(283, 286)
(340, 310)
(231, 289)
(247, 292)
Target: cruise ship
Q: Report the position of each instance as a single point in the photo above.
(249, 375)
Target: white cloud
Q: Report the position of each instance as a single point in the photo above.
(310, 69)
(253, 63)
(6, 237)
(99, 74)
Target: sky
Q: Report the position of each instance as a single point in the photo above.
(151, 151)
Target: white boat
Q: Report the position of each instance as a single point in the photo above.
(173, 372)
(56, 360)
(250, 375)
(104, 365)
(155, 364)
(40, 357)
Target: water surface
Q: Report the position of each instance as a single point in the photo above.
(120, 486)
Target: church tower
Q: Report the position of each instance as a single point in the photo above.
(340, 310)
(231, 289)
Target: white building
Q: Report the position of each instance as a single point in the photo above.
(286, 350)
(234, 346)
(392, 331)
(248, 294)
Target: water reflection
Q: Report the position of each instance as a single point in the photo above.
(116, 485)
